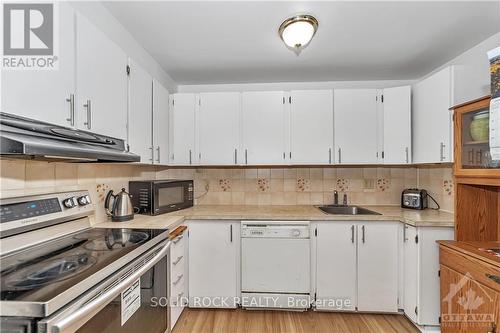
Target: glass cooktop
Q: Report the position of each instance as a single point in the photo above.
(40, 273)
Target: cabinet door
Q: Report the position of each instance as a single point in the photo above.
(102, 80)
(311, 127)
(140, 113)
(44, 94)
(182, 129)
(411, 279)
(219, 129)
(397, 125)
(213, 263)
(355, 114)
(378, 266)
(336, 265)
(432, 121)
(160, 123)
(263, 127)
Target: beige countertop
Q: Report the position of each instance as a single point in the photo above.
(419, 218)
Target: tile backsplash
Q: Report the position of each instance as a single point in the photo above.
(233, 186)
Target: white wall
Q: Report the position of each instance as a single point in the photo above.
(96, 13)
(472, 71)
(292, 86)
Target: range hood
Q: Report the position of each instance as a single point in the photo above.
(32, 139)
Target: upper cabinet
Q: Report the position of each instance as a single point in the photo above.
(101, 104)
(160, 123)
(356, 126)
(311, 127)
(263, 127)
(46, 95)
(182, 129)
(218, 121)
(397, 125)
(432, 120)
(140, 113)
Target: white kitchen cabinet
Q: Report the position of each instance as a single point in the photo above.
(432, 120)
(421, 273)
(160, 123)
(263, 127)
(213, 263)
(45, 95)
(397, 125)
(311, 127)
(336, 265)
(182, 129)
(101, 82)
(140, 113)
(218, 124)
(355, 114)
(378, 266)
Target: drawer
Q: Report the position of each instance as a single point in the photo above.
(177, 267)
(177, 283)
(175, 313)
(177, 247)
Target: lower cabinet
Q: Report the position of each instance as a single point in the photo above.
(213, 263)
(178, 277)
(421, 273)
(357, 262)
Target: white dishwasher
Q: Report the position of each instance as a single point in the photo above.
(275, 264)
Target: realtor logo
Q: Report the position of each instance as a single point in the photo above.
(29, 32)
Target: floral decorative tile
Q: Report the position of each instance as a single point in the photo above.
(383, 184)
(448, 186)
(303, 184)
(263, 184)
(102, 190)
(342, 184)
(225, 184)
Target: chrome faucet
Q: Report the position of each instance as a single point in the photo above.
(345, 199)
(335, 198)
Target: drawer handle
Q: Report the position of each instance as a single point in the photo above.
(495, 278)
(178, 239)
(177, 260)
(179, 299)
(179, 278)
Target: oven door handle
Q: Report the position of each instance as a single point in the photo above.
(72, 321)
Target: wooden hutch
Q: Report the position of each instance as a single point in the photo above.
(470, 266)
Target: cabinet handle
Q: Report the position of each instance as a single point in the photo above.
(177, 240)
(340, 155)
(88, 106)
(290, 154)
(231, 233)
(71, 101)
(329, 155)
(190, 157)
(407, 155)
(495, 278)
(177, 260)
(363, 234)
(352, 234)
(235, 156)
(441, 151)
(179, 278)
(158, 154)
(284, 155)
(246, 156)
(152, 154)
(404, 233)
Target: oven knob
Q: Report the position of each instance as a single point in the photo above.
(70, 202)
(295, 233)
(84, 200)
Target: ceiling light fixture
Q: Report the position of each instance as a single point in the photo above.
(297, 31)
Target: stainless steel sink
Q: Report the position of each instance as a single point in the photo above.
(347, 210)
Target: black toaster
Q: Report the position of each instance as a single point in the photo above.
(414, 198)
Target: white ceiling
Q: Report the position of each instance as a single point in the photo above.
(237, 42)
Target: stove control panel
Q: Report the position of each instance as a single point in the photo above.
(29, 209)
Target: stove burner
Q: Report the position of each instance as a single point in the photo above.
(116, 238)
(46, 272)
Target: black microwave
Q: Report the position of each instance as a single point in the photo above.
(154, 197)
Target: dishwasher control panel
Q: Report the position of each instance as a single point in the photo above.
(275, 229)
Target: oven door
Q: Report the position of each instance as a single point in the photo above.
(132, 300)
(172, 196)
